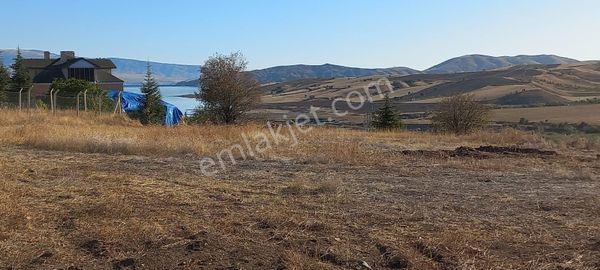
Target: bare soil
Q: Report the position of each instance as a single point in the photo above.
(529, 210)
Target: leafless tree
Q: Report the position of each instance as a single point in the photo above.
(227, 92)
(460, 114)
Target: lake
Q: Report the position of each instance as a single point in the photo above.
(172, 94)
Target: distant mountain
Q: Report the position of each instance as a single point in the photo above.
(8, 55)
(473, 63)
(133, 71)
(298, 72)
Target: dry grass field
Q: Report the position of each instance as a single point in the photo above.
(106, 193)
(554, 114)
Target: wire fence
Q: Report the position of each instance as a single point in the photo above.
(87, 102)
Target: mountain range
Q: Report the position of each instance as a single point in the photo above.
(133, 71)
(467, 63)
(477, 62)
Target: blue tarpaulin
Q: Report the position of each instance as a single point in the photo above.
(132, 102)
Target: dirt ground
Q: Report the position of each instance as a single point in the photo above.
(502, 210)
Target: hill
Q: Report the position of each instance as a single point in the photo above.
(299, 72)
(296, 72)
(472, 63)
(468, 63)
(133, 71)
(515, 86)
(8, 55)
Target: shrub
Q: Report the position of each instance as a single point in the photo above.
(227, 92)
(40, 105)
(460, 114)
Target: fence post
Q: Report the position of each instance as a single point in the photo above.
(99, 91)
(100, 97)
(29, 97)
(51, 101)
(20, 99)
(78, 94)
(118, 105)
(85, 100)
(121, 102)
(55, 100)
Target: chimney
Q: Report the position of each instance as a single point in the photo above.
(46, 55)
(66, 55)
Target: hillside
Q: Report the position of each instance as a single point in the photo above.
(295, 72)
(472, 63)
(531, 85)
(468, 63)
(299, 72)
(133, 71)
(8, 55)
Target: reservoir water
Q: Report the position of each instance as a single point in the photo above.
(172, 94)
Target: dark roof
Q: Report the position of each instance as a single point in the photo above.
(104, 77)
(48, 75)
(103, 62)
(44, 63)
(37, 63)
(59, 63)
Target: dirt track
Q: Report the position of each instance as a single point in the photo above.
(85, 211)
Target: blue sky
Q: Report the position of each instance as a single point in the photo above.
(374, 33)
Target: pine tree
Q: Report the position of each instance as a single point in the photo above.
(386, 118)
(153, 112)
(4, 80)
(20, 75)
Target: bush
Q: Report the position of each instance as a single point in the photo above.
(96, 97)
(71, 87)
(227, 92)
(460, 114)
(40, 105)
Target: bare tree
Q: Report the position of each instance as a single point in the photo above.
(227, 92)
(460, 114)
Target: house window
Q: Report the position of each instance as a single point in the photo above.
(86, 74)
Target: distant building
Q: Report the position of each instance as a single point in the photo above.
(44, 71)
